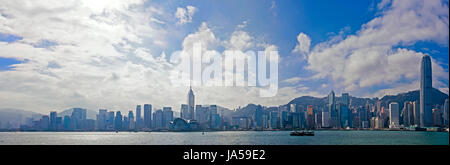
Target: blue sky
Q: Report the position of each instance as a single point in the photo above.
(368, 48)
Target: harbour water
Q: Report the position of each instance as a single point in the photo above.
(225, 138)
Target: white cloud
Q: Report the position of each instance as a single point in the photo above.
(240, 40)
(184, 15)
(303, 45)
(370, 58)
(292, 80)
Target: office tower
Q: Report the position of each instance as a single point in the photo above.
(408, 114)
(77, 118)
(426, 118)
(214, 118)
(158, 119)
(310, 117)
(147, 115)
(67, 123)
(53, 117)
(437, 117)
(191, 104)
(332, 110)
(184, 111)
(101, 119)
(345, 99)
(167, 117)
(126, 123)
(445, 112)
(416, 111)
(131, 120)
(274, 120)
(258, 117)
(45, 122)
(201, 114)
(138, 117)
(110, 120)
(118, 121)
(59, 123)
(344, 116)
(394, 115)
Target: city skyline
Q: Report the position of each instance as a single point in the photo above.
(113, 55)
(334, 114)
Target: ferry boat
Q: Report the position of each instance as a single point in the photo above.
(302, 133)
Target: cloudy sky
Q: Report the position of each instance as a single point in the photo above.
(114, 54)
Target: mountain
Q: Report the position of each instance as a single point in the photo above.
(438, 98)
(16, 116)
(90, 114)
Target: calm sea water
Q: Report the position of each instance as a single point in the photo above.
(227, 138)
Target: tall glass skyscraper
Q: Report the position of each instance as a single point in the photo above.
(332, 110)
(426, 117)
(191, 104)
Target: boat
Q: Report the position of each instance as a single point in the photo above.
(302, 133)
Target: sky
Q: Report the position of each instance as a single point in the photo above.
(115, 54)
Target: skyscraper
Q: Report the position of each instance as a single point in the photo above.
(138, 117)
(147, 115)
(416, 111)
(445, 112)
(345, 99)
(53, 116)
(191, 104)
(118, 121)
(394, 115)
(167, 117)
(426, 116)
(332, 110)
(101, 119)
(131, 123)
(184, 111)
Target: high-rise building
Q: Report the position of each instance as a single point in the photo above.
(445, 112)
(67, 123)
(101, 119)
(344, 115)
(310, 117)
(394, 115)
(437, 117)
(258, 117)
(78, 117)
(332, 110)
(110, 120)
(167, 117)
(416, 111)
(274, 120)
(147, 115)
(53, 116)
(345, 99)
(118, 121)
(426, 118)
(45, 122)
(184, 111)
(138, 118)
(131, 122)
(408, 114)
(158, 119)
(191, 104)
